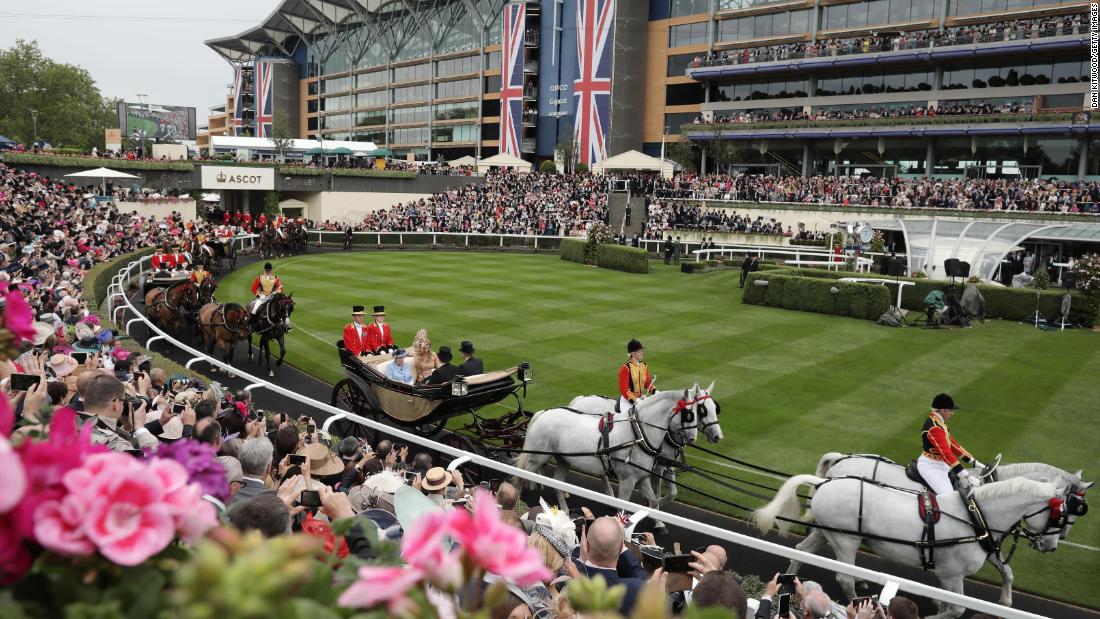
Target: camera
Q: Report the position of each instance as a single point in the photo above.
(310, 498)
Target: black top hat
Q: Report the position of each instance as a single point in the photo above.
(379, 309)
(356, 309)
(943, 401)
(445, 354)
(267, 266)
(467, 347)
(634, 346)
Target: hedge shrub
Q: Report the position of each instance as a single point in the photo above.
(94, 162)
(622, 258)
(573, 250)
(1000, 302)
(809, 294)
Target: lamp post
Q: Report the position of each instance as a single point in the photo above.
(664, 139)
(321, 135)
(34, 123)
(143, 133)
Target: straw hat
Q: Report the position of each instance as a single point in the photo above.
(436, 478)
(62, 365)
(172, 430)
(42, 332)
(322, 462)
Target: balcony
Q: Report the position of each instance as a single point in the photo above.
(531, 38)
(530, 93)
(531, 66)
(530, 118)
(527, 146)
(855, 52)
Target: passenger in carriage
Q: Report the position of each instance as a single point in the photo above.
(445, 372)
(399, 371)
(425, 360)
(470, 364)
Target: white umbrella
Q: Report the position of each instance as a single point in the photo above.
(211, 197)
(101, 173)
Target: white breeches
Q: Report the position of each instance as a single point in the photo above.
(935, 473)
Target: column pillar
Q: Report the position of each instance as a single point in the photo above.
(703, 164)
(807, 155)
(929, 158)
(1083, 160)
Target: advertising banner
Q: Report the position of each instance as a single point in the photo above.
(238, 177)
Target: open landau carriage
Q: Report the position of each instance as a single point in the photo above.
(425, 409)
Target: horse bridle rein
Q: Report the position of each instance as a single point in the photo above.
(164, 297)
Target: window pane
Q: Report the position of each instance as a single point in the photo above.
(800, 22)
(781, 23)
(857, 15)
(878, 12)
(899, 10)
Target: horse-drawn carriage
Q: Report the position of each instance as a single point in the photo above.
(425, 409)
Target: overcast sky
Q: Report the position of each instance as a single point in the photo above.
(139, 46)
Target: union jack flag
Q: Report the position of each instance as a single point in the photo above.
(238, 86)
(592, 88)
(265, 72)
(511, 84)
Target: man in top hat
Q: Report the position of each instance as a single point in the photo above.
(159, 260)
(470, 364)
(263, 286)
(180, 260)
(635, 381)
(355, 333)
(941, 453)
(379, 338)
(445, 372)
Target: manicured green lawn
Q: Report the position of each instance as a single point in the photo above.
(792, 385)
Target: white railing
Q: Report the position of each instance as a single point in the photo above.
(813, 257)
(465, 236)
(117, 294)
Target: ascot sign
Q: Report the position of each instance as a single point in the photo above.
(233, 177)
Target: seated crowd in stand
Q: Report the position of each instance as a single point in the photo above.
(689, 216)
(901, 40)
(507, 203)
(913, 111)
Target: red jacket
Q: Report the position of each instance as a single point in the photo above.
(628, 389)
(278, 287)
(353, 343)
(158, 259)
(938, 443)
(377, 338)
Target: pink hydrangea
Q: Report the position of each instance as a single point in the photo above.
(18, 317)
(496, 547)
(382, 584)
(425, 547)
(13, 480)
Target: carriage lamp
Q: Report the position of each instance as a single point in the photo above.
(834, 290)
(459, 386)
(525, 373)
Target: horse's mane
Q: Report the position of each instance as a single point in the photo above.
(1015, 486)
(1024, 468)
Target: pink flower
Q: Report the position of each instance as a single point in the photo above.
(423, 547)
(126, 518)
(13, 480)
(18, 317)
(382, 584)
(15, 559)
(59, 526)
(496, 547)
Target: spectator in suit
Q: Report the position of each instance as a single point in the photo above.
(748, 266)
(603, 545)
(255, 457)
(720, 590)
(446, 371)
(266, 513)
(470, 364)
(667, 249)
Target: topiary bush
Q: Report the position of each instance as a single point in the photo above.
(622, 258)
(548, 166)
(809, 294)
(573, 250)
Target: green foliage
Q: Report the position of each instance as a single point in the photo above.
(548, 166)
(71, 110)
(878, 242)
(565, 150)
(281, 137)
(685, 153)
(573, 250)
(1042, 279)
(598, 234)
(15, 159)
(581, 168)
(808, 294)
(271, 203)
(622, 258)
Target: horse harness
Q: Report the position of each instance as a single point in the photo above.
(220, 309)
(163, 299)
(930, 513)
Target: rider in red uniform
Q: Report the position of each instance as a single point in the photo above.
(635, 381)
(940, 452)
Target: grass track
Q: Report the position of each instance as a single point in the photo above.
(792, 385)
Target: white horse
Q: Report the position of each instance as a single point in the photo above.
(705, 413)
(867, 466)
(572, 440)
(893, 514)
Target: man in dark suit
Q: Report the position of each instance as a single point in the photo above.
(470, 364)
(603, 546)
(667, 249)
(748, 266)
(255, 457)
(445, 372)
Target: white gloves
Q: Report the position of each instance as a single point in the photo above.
(977, 465)
(972, 480)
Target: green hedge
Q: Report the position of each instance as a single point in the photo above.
(99, 276)
(93, 162)
(1000, 302)
(809, 294)
(622, 258)
(573, 250)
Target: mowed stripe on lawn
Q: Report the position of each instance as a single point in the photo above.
(792, 385)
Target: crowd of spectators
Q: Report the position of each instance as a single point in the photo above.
(690, 216)
(901, 40)
(1026, 194)
(506, 203)
(912, 111)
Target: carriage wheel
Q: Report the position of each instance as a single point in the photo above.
(346, 395)
(472, 474)
(429, 429)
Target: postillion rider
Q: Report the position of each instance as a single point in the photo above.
(941, 453)
(635, 381)
(263, 286)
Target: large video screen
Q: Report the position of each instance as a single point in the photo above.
(150, 121)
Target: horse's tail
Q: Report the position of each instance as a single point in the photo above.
(826, 462)
(521, 463)
(784, 505)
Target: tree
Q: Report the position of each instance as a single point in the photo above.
(281, 137)
(271, 204)
(684, 152)
(566, 150)
(71, 110)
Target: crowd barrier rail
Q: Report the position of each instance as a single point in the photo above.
(119, 303)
